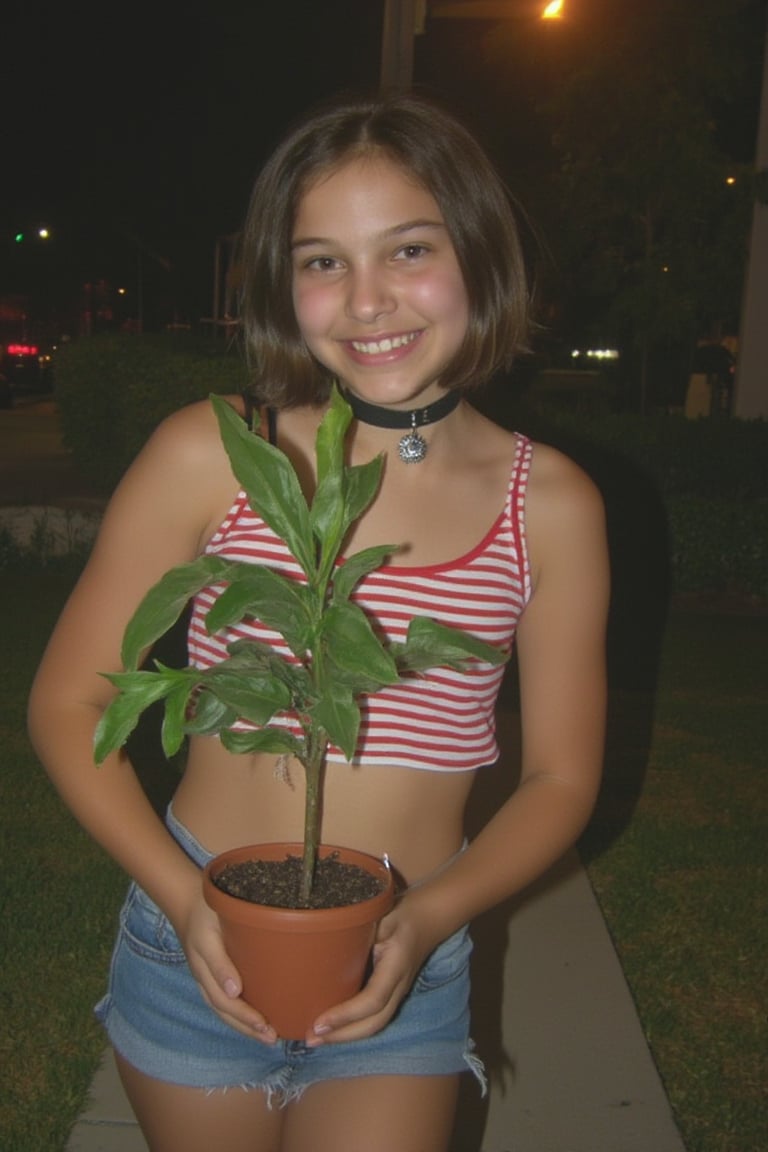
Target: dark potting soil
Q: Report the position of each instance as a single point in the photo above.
(276, 882)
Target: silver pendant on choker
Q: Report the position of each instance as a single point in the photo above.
(412, 447)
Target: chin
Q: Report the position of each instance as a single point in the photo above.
(395, 393)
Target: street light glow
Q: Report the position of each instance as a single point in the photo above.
(553, 10)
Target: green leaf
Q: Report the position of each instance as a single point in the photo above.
(339, 504)
(357, 681)
(362, 484)
(353, 646)
(350, 573)
(339, 714)
(329, 442)
(343, 492)
(137, 691)
(265, 740)
(165, 601)
(271, 483)
(432, 645)
(327, 515)
(173, 728)
(328, 520)
(253, 696)
(209, 715)
(276, 600)
(253, 655)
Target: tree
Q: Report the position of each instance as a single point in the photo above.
(650, 240)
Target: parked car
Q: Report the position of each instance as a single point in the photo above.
(26, 367)
(6, 394)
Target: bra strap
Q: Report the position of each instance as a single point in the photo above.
(251, 410)
(271, 424)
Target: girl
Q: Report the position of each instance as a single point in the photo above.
(381, 251)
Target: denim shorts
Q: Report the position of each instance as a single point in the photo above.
(157, 1019)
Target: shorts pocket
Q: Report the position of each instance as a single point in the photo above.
(448, 962)
(147, 931)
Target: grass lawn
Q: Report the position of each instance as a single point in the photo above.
(682, 883)
(676, 855)
(57, 902)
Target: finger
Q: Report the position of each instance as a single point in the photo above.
(361, 1016)
(221, 986)
(241, 1016)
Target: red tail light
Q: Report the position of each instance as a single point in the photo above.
(22, 350)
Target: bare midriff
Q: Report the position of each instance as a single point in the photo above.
(415, 817)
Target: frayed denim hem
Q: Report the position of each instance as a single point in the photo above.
(476, 1067)
(278, 1090)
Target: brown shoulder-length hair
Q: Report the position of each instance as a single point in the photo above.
(436, 150)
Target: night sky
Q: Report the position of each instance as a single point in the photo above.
(149, 122)
(143, 125)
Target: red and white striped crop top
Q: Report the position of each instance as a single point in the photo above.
(439, 720)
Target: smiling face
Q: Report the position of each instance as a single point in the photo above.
(377, 289)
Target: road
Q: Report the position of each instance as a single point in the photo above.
(35, 467)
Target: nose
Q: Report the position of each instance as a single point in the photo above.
(369, 295)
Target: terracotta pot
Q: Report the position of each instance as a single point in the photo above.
(295, 963)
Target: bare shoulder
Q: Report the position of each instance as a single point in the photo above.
(559, 488)
(190, 430)
(177, 488)
(565, 514)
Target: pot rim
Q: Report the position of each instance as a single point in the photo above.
(306, 919)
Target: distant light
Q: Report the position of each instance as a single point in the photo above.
(730, 179)
(22, 350)
(19, 237)
(121, 291)
(553, 10)
(596, 353)
(43, 233)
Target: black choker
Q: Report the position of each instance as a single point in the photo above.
(412, 447)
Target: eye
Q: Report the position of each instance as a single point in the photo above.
(322, 264)
(411, 252)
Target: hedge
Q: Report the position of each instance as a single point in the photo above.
(113, 390)
(719, 545)
(686, 500)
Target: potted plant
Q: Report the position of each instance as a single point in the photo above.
(337, 657)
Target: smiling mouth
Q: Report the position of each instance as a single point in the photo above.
(388, 344)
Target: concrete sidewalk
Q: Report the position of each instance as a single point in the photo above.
(555, 1023)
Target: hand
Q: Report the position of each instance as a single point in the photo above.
(398, 955)
(217, 976)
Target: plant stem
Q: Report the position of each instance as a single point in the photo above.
(316, 744)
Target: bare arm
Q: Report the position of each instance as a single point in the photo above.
(156, 519)
(163, 512)
(561, 652)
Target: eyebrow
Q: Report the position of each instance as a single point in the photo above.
(395, 230)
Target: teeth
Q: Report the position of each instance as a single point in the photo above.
(371, 347)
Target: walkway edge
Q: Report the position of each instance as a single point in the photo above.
(570, 1067)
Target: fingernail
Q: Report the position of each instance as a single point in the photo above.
(231, 988)
(321, 1029)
